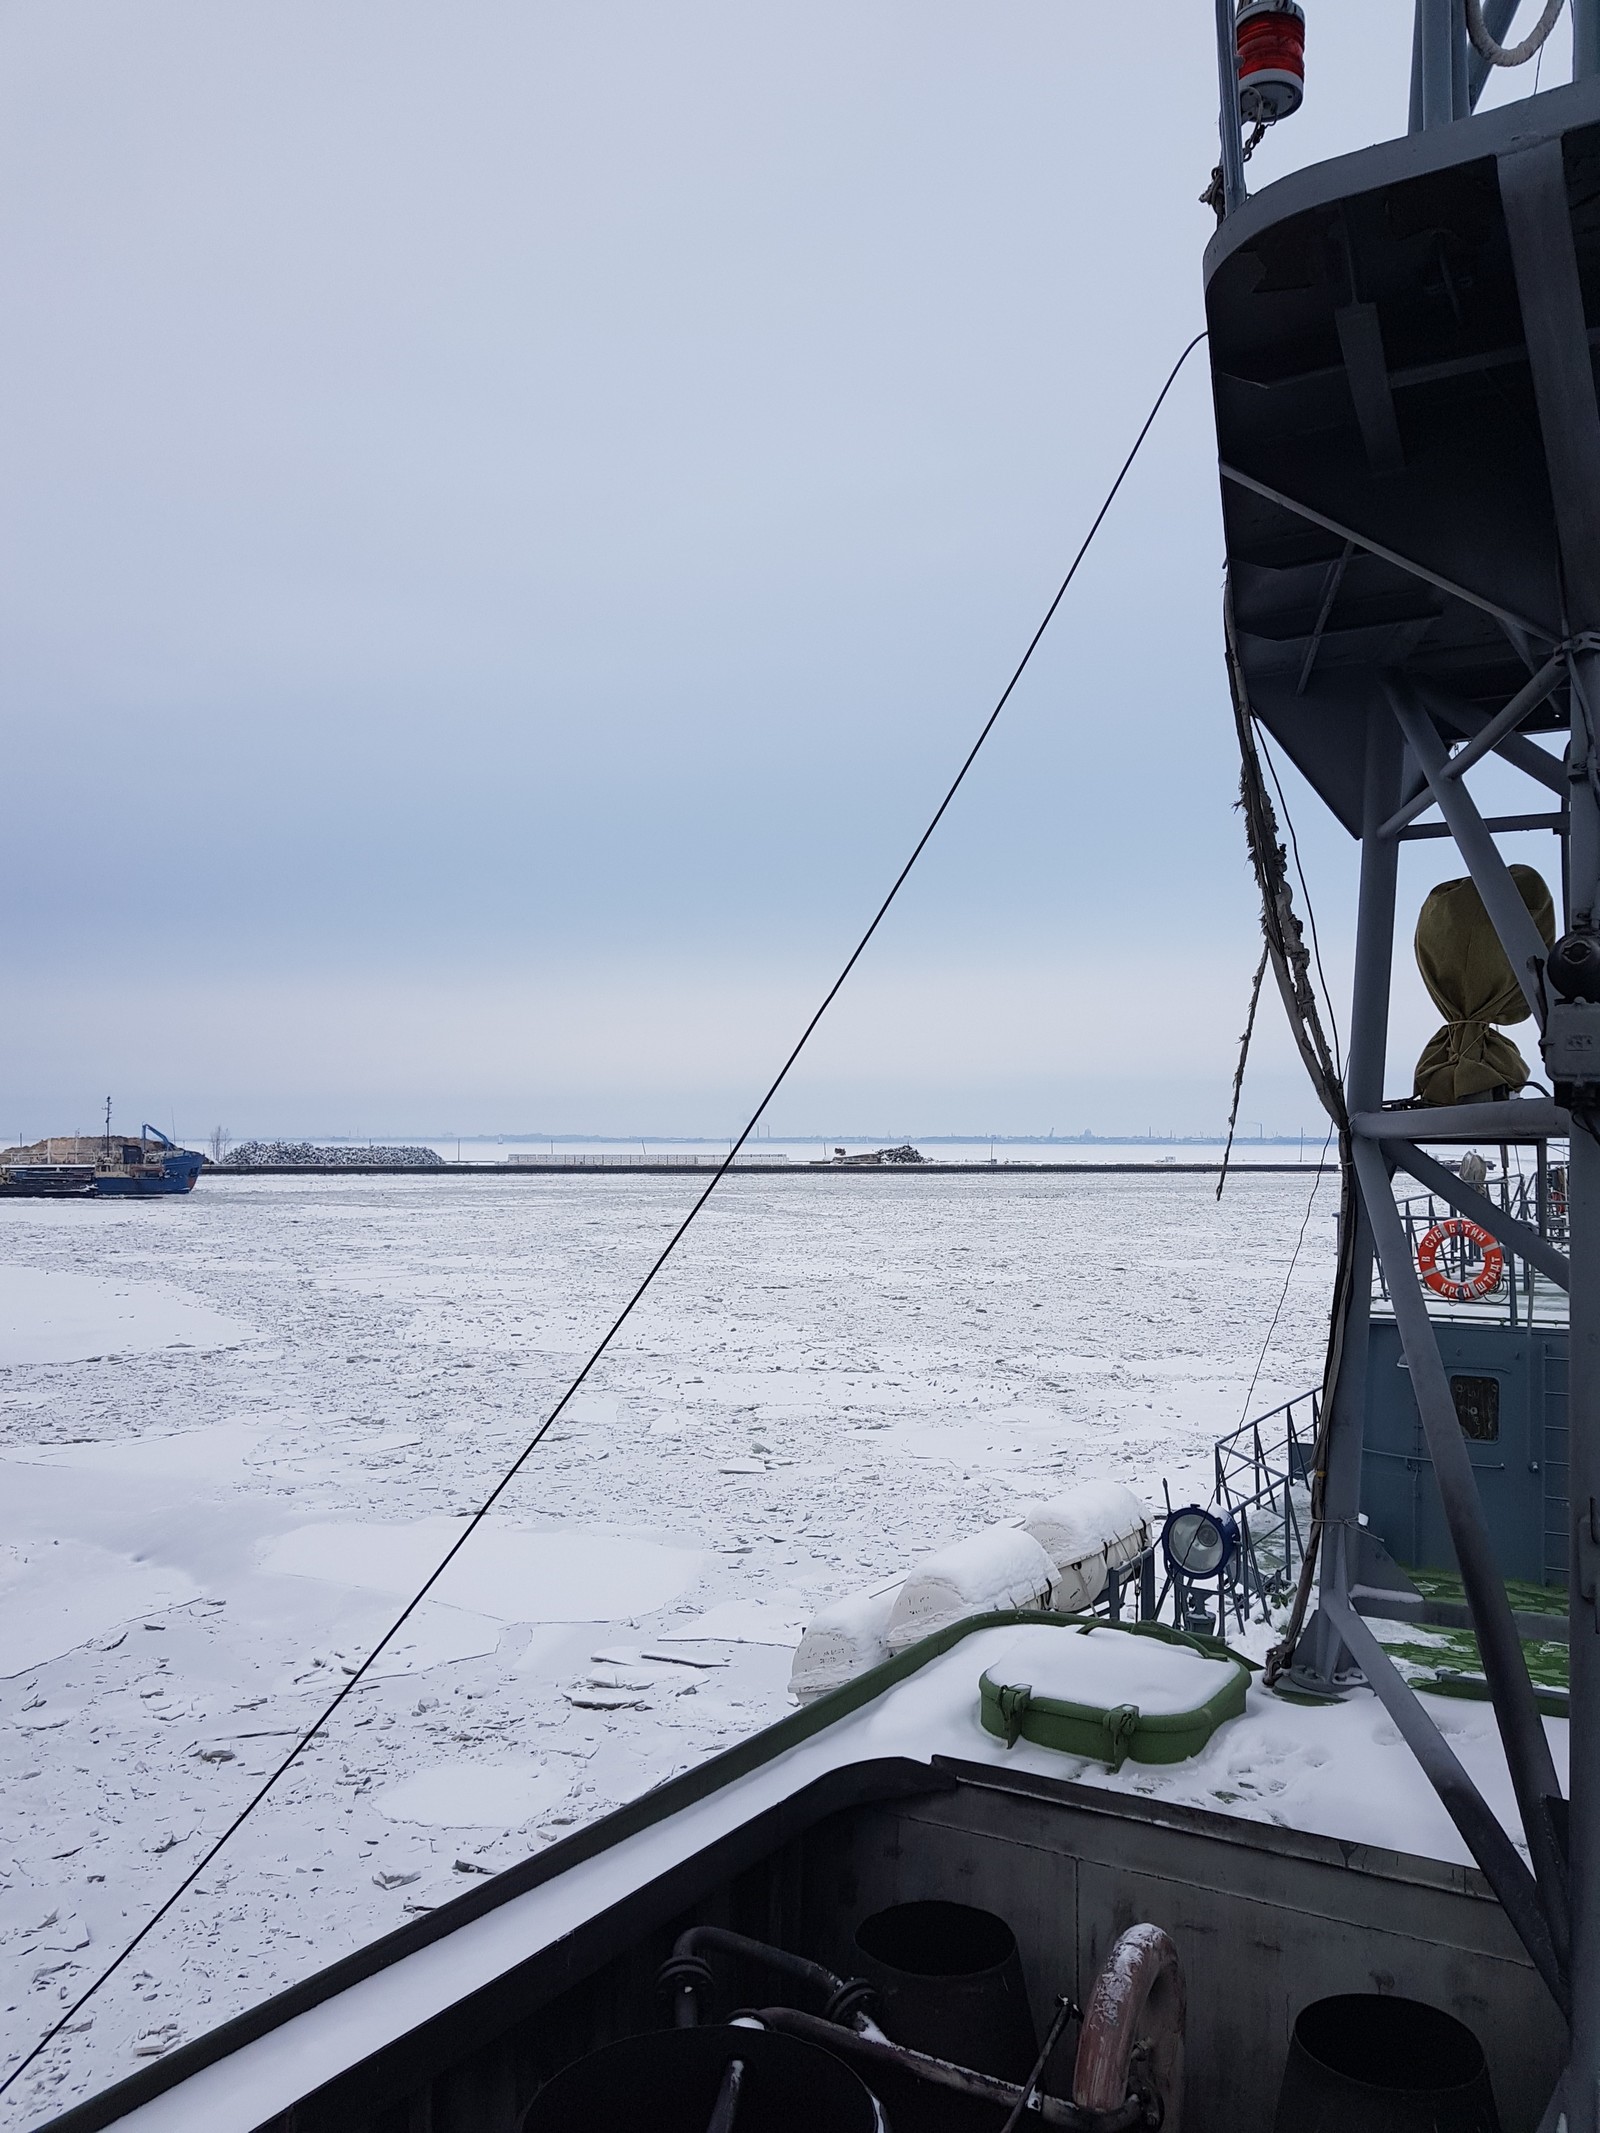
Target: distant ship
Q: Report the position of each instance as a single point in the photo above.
(76, 1165)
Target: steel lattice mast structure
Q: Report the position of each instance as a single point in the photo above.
(1402, 350)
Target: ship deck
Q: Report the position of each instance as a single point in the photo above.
(1326, 1785)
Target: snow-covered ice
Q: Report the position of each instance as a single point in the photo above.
(464, 1795)
(579, 1575)
(49, 1315)
(778, 1620)
(233, 1427)
(56, 1595)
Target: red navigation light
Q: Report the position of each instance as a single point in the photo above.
(1270, 39)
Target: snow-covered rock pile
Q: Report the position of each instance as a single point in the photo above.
(1057, 1555)
(905, 1153)
(286, 1155)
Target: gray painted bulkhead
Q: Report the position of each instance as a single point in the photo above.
(1265, 1920)
(1521, 1472)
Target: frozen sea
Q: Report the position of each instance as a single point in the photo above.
(235, 1429)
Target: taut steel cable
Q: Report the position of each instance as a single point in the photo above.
(627, 1310)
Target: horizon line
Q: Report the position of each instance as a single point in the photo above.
(1087, 1138)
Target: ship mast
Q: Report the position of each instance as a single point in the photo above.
(1409, 434)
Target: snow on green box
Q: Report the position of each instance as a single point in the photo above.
(1112, 1691)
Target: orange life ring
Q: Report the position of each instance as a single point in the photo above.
(1476, 1286)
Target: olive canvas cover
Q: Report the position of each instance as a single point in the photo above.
(1473, 985)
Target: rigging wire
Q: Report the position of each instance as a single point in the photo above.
(1291, 960)
(1311, 913)
(1283, 1295)
(622, 1317)
(1244, 1058)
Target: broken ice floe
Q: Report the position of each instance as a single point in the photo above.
(510, 1573)
(498, 1795)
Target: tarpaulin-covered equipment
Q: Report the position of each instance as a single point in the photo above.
(1474, 987)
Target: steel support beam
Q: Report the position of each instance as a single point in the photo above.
(1520, 938)
(1320, 1654)
(1585, 38)
(1330, 593)
(1518, 626)
(1533, 191)
(1481, 1833)
(1488, 737)
(1419, 832)
(1521, 753)
(1583, 811)
(1436, 25)
(1477, 1207)
(1522, 1733)
(1582, 2094)
(1460, 55)
(1518, 1118)
(1528, 698)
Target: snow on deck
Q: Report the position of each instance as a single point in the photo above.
(233, 1427)
(1337, 1770)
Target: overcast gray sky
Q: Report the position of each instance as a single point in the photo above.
(512, 514)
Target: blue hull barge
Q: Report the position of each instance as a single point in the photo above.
(108, 1164)
(152, 1163)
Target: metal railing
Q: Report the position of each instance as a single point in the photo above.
(1522, 1296)
(1262, 1478)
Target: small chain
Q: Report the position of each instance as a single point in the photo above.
(1212, 196)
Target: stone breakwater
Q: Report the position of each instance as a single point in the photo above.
(291, 1155)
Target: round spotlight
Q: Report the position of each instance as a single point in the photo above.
(1574, 965)
(1199, 1544)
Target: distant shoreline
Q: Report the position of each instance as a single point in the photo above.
(744, 1169)
(644, 1142)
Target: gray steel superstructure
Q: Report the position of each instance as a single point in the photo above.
(1402, 346)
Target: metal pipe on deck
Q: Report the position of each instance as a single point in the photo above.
(944, 2074)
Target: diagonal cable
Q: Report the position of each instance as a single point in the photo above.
(628, 1308)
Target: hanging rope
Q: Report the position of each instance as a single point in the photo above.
(1510, 55)
(1291, 966)
(1238, 1072)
